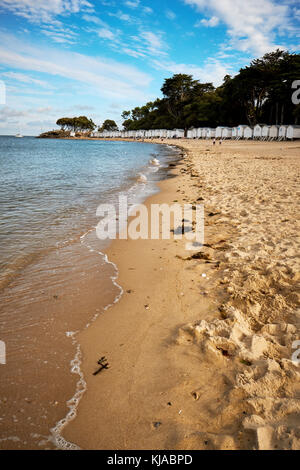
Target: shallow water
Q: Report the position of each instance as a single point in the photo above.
(54, 277)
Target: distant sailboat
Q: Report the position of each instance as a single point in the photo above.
(19, 135)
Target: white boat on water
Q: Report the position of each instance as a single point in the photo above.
(19, 135)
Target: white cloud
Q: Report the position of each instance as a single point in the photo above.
(44, 11)
(93, 19)
(105, 33)
(133, 52)
(213, 71)
(213, 21)
(8, 113)
(251, 25)
(170, 15)
(59, 35)
(104, 77)
(122, 16)
(153, 42)
(132, 3)
(21, 77)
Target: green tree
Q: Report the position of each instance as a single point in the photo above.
(108, 125)
(178, 92)
(76, 124)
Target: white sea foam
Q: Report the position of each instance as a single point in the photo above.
(81, 386)
(154, 162)
(56, 432)
(141, 178)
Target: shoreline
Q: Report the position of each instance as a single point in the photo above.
(189, 369)
(65, 290)
(81, 386)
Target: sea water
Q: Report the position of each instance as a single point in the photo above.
(54, 277)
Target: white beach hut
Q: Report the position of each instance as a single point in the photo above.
(171, 133)
(282, 132)
(274, 132)
(241, 130)
(293, 132)
(198, 133)
(219, 131)
(257, 131)
(234, 134)
(190, 134)
(226, 133)
(179, 133)
(248, 132)
(210, 133)
(265, 133)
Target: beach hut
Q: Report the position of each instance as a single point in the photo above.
(226, 133)
(257, 131)
(241, 131)
(198, 133)
(219, 131)
(234, 134)
(248, 133)
(274, 132)
(282, 132)
(171, 134)
(210, 133)
(192, 133)
(293, 132)
(265, 133)
(179, 133)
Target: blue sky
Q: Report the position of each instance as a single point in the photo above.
(100, 57)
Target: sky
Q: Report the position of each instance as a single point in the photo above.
(100, 57)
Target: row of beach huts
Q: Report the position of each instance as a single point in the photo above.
(258, 132)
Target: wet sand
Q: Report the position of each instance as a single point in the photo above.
(200, 349)
(46, 302)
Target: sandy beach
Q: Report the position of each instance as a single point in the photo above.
(200, 349)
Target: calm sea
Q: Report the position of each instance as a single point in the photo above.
(54, 279)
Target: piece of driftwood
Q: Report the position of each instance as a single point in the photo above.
(103, 365)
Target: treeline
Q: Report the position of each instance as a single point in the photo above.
(76, 124)
(259, 93)
(82, 124)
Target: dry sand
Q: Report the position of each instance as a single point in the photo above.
(204, 362)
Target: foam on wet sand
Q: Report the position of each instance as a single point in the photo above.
(210, 358)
